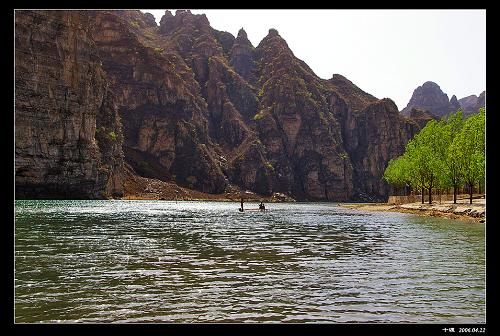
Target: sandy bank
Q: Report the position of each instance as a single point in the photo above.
(462, 211)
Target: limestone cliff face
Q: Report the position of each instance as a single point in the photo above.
(378, 134)
(196, 106)
(232, 100)
(430, 97)
(109, 138)
(297, 127)
(164, 117)
(60, 94)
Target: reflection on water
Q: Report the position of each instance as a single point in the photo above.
(158, 261)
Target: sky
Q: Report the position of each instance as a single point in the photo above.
(387, 53)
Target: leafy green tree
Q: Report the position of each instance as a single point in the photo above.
(425, 151)
(469, 148)
(397, 173)
(445, 153)
(452, 175)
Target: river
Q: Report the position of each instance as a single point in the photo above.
(161, 261)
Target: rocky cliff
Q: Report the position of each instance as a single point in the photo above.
(211, 112)
(421, 117)
(372, 137)
(61, 97)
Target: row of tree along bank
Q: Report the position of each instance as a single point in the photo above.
(438, 198)
(445, 154)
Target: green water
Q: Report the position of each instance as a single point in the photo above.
(159, 261)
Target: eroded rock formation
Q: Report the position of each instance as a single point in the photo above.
(197, 107)
(61, 93)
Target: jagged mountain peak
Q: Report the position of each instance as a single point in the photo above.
(166, 15)
(273, 32)
(429, 96)
(454, 102)
(242, 33)
(242, 56)
(242, 38)
(272, 37)
(183, 18)
(182, 12)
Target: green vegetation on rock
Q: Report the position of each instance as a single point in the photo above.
(258, 116)
(112, 136)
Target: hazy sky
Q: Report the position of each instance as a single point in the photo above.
(387, 53)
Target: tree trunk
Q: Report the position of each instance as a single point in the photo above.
(422, 195)
(430, 195)
(454, 195)
(470, 189)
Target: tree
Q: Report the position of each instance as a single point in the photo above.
(452, 175)
(396, 172)
(444, 153)
(424, 152)
(471, 143)
(469, 149)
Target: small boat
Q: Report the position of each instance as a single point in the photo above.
(239, 209)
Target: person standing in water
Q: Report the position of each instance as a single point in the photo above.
(262, 207)
(241, 209)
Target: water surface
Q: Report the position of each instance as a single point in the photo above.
(160, 261)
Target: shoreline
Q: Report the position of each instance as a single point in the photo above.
(459, 211)
(462, 212)
(142, 188)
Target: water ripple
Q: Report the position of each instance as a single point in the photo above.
(155, 261)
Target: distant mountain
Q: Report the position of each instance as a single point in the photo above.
(429, 97)
(471, 104)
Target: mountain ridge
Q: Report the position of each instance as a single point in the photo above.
(207, 110)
